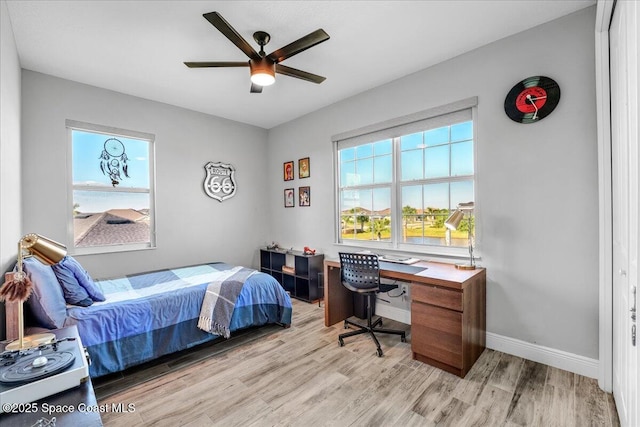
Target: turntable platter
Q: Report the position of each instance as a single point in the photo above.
(32, 374)
(33, 367)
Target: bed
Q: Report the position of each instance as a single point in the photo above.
(148, 315)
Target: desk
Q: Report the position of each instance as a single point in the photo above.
(448, 315)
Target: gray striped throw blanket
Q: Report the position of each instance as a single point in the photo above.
(220, 300)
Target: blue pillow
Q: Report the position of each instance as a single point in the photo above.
(47, 300)
(74, 294)
(84, 279)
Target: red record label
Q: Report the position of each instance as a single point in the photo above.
(531, 99)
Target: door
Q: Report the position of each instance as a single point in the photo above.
(624, 156)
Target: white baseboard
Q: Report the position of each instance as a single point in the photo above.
(549, 356)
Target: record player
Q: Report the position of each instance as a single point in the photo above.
(31, 374)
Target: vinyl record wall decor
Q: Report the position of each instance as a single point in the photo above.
(532, 99)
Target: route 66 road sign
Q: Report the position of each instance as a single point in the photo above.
(220, 181)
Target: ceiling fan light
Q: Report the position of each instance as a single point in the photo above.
(263, 72)
(263, 79)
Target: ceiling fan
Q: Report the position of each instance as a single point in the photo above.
(263, 67)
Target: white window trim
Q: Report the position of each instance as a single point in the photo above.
(72, 125)
(386, 130)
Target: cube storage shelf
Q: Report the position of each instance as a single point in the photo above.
(303, 283)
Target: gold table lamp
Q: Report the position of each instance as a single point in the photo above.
(18, 287)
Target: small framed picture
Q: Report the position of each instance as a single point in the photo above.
(288, 171)
(305, 196)
(304, 168)
(289, 198)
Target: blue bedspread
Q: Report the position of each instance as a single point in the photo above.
(153, 314)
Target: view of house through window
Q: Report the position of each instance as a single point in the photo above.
(401, 190)
(112, 189)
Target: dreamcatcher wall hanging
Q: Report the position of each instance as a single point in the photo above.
(113, 161)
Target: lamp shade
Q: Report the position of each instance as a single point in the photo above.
(44, 249)
(263, 71)
(454, 219)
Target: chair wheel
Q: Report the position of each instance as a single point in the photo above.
(341, 342)
(403, 338)
(379, 352)
(346, 325)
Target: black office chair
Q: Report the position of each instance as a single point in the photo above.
(361, 273)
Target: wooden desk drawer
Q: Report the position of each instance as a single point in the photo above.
(434, 295)
(437, 333)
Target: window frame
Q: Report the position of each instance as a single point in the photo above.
(73, 125)
(374, 133)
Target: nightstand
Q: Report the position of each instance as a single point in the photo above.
(76, 406)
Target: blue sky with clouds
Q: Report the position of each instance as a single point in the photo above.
(87, 149)
(437, 153)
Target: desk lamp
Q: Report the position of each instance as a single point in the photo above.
(453, 222)
(18, 287)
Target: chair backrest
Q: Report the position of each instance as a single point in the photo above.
(360, 272)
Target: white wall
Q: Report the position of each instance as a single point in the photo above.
(191, 227)
(542, 272)
(10, 206)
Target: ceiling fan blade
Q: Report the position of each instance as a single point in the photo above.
(299, 74)
(229, 32)
(300, 45)
(256, 88)
(216, 64)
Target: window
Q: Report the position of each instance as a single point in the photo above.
(112, 189)
(398, 181)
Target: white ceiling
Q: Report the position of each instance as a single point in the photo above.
(138, 47)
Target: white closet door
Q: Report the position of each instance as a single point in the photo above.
(624, 150)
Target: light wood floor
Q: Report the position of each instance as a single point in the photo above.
(299, 376)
